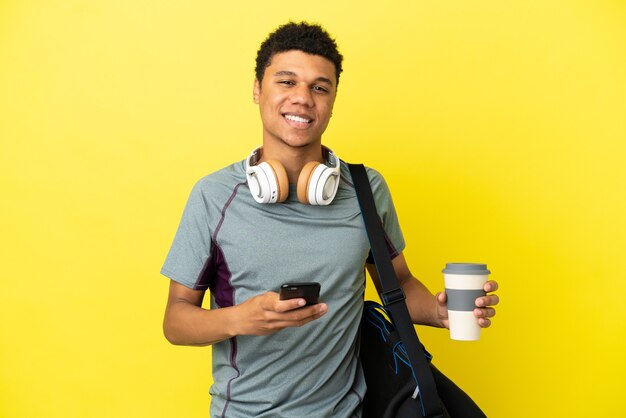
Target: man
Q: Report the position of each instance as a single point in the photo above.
(271, 357)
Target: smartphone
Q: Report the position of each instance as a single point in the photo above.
(309, 291)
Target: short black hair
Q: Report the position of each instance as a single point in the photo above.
(303, 36)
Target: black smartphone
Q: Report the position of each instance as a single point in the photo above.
(309, 291)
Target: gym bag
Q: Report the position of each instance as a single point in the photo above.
(401, 381)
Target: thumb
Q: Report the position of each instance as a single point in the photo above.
(441, 298)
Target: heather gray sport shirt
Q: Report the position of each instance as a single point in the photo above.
(238, 248)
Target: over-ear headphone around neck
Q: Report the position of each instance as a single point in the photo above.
(317, 182)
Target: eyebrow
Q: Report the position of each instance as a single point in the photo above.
(291, 73)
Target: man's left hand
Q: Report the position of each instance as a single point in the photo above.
(484, 306)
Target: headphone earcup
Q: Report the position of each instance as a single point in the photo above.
(281, 179)
(304, 181)
(268, 182)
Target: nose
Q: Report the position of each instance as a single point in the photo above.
(301, 94)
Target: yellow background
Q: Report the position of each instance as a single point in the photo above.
(499, 126)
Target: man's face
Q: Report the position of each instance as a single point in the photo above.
(296, 98)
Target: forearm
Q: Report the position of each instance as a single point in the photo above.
(188, 324)
(421, 303)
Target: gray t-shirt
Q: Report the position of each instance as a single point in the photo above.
(238, 248)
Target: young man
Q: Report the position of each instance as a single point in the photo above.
(288, 213)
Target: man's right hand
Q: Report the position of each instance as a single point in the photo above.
(187, 323)
(266, 314)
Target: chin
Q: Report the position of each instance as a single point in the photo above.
(299, 142)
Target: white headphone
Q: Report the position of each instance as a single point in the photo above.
(317, 183)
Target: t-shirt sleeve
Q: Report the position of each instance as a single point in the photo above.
(387, 212)
(191, 247)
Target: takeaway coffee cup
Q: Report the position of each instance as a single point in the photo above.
(464, 284)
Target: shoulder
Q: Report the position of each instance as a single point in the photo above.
(376, 179)
(224, 180)
(212, 190)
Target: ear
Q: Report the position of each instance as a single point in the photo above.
(256, 91)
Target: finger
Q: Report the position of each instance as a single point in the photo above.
(484, 323)
(485, 313)
(306, 312)
(490, 286)
(288, 305)
(268, 300)
(301, 316)
(490, 300)
(441, 298)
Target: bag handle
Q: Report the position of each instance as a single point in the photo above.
(393, 296)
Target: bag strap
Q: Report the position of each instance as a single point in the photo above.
(393, 296)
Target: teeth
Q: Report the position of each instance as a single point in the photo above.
(297, 119)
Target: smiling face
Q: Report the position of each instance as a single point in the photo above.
(296, 98)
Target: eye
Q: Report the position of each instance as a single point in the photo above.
(320, 89)
(287, 82)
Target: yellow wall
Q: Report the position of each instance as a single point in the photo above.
(500, 127)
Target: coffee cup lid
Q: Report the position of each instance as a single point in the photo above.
(466, 268)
